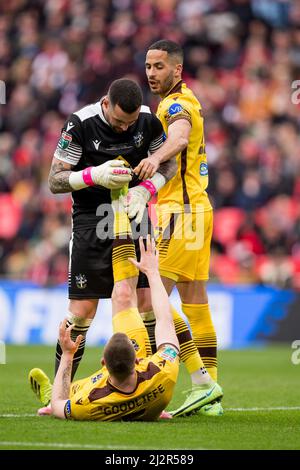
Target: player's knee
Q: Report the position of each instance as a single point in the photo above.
(123, 295)
(193, 292)
(83, 308)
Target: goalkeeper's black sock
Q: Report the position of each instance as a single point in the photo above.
(81, 326)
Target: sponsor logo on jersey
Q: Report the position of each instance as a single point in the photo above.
(174, 109)
(124, 407)
(96, 378)
(70, 125)
(96, 143)
(65, 140)
(81, 281)
(168, 353)
(138, 139)
(203, 169)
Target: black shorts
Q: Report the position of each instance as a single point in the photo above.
(90, 269)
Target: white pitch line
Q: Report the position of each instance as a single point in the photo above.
(80, 446)
(25, 415)
(275, 408)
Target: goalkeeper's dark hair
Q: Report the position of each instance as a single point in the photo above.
(172, 48)
(119, 356)
(126, 93)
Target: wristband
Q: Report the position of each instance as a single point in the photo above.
(87, 176)
(81, 179)
(149, 186)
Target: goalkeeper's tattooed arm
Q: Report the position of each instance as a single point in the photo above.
(59, 177)
(111, 174)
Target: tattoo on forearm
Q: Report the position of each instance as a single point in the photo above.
(168, 168)
(59, 178)
(66, 381)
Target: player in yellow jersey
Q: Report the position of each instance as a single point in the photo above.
(185, 217)
(129, 386)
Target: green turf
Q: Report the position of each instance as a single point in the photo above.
(257, 378)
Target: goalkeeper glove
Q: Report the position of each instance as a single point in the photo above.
(111, 175)
(136, 202)
(137, 198)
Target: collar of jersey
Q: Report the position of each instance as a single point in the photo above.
(101, 112)
(174, 88)
(116, 389)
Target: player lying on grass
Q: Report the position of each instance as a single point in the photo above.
(130, 386)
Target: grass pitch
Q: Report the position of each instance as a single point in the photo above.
(261, 402)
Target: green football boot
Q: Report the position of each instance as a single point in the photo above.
(199, 396)
(212, 409)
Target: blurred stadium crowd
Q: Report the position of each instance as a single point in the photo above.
(241, 59)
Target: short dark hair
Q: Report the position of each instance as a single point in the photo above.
(126, 93)
(119, 355)
(171, 47)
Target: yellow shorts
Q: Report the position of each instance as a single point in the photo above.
(184, 245)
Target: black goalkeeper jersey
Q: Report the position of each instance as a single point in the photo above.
(88, 140)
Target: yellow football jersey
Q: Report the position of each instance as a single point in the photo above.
(95, 398)
(189, 184)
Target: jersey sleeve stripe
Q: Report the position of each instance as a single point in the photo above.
(155, 144)
(72, 155)
(179, 116)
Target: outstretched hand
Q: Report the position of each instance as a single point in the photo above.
(66, 343)
(148, 263)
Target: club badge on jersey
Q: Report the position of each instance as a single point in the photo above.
(203, 169)
(138, 139)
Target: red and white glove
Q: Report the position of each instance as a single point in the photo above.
(111, 174)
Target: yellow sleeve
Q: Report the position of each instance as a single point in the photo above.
(176, 108)
(167, 359)
(77, 409)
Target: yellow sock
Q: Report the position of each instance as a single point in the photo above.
(123, 248)
(204, 335)
(188, 351)
(129, 322)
